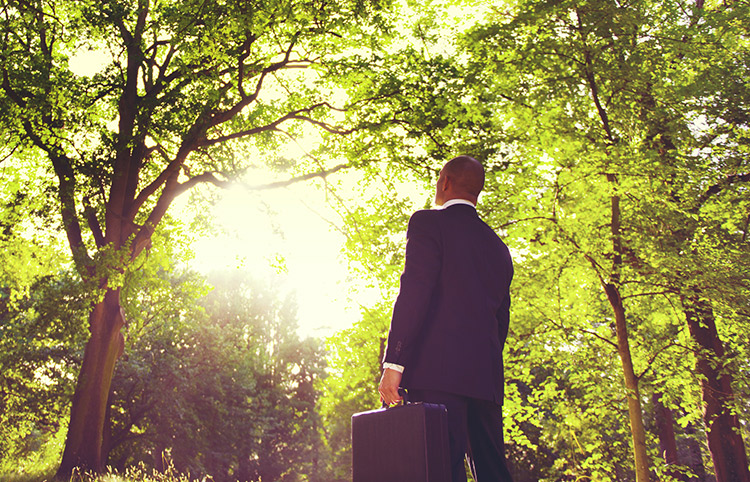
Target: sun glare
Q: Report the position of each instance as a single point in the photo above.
(280, 234)
(86, 62)
(283, 234)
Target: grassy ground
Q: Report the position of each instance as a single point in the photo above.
(132, 474)
(128, 476)
(41, 464)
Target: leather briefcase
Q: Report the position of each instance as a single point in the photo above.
(406, 443)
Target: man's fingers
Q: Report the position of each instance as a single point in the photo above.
(388, 388)
(390, 396)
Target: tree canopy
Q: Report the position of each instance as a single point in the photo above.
(185, 86)
(614, 136)
(615, 140)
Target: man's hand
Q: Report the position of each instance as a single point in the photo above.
(389, 383)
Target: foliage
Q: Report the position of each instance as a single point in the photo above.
(188, 93)
(594, 96)
(346, 391)
(374, 246)
(223, 386)
(579, 110)
(214, 378)
(178, 88)
(42, 313)
(573, 107)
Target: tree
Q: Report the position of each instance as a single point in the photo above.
(615, 138)
(41, 307)
(184, 86)
(219, 384)
(629, 91)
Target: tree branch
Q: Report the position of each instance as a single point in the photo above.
(654, 356)
(143, 235)
(208, 177)
(652, 293)
(719, 186)
(196, 135)
(153, 186)
(597, 335)
(66, 191)
(306, 177)
(93, 222)
(221, 117)
(12, 94)
(593, 86)
(294, 115)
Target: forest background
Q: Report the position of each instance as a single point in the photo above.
(615, 137)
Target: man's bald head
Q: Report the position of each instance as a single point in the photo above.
(461, 178)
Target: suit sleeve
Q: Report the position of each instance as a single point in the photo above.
(503, 320)
(418, 281)
(503, 313)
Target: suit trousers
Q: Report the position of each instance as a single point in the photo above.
(475, 428)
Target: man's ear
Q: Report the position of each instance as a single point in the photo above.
(447, 183)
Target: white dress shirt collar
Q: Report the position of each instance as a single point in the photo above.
(452, 202)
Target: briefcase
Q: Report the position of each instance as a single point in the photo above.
(406, 443)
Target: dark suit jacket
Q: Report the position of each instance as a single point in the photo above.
(450, 319)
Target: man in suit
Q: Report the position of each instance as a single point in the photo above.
(450, 321)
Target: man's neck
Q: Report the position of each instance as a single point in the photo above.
(454, 201)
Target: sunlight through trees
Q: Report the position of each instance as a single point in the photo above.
(615, 139)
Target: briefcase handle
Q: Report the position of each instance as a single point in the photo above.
(404, 395)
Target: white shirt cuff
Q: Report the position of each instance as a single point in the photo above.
(393, 366)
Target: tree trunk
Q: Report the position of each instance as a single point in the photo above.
(694, 455)
(723, 430)
(107, 431)
(667, 441)
(635, 412)
(84, 442)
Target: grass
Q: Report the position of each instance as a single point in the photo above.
(139, 473)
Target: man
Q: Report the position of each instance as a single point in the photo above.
(450, 322)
